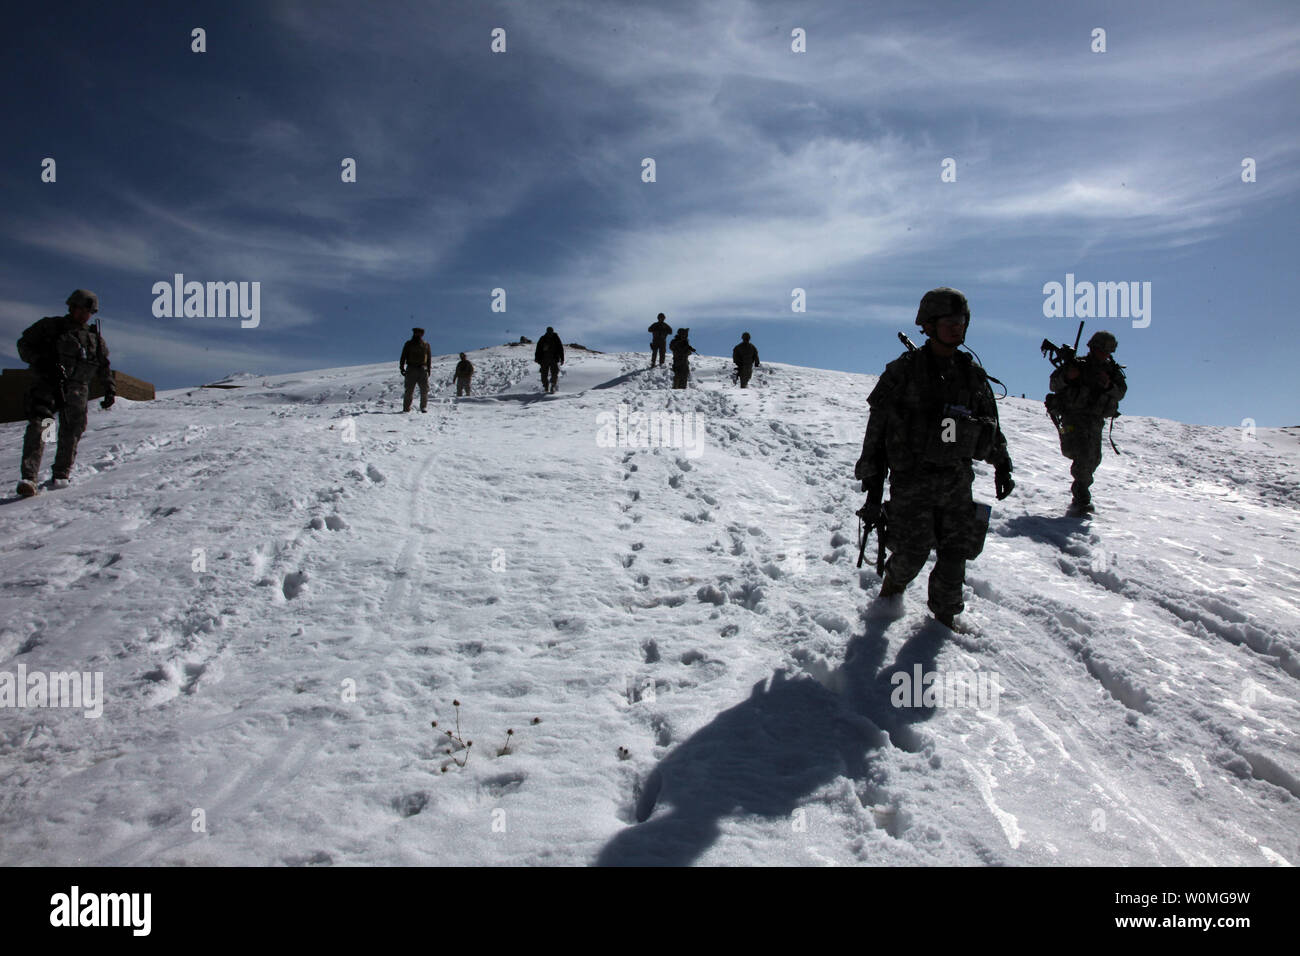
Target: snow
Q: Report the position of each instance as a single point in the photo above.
(701, 608)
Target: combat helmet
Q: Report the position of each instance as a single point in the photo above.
(942, 301)
(1104, 341)
(83, 297)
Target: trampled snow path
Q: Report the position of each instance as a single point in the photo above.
(697, 605)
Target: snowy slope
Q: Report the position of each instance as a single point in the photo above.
(698, 606)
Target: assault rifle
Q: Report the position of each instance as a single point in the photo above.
(870, 517)
(1060, 355)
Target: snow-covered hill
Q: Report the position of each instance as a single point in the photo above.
(282, 584)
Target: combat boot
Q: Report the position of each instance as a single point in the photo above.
(888, 603)
(26, 488)
(889, 588)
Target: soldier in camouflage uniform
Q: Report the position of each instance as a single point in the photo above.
(745, 357)
(682, 351)
(1088, 391)
(415, 365)
(66, 353)
(549, 354)
(932, 413)
(659, 333)
(464, 372)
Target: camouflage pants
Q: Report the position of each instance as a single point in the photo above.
(550, 375)
(416, 378)
(744, 372)
(681, 375)
(656, 352)
(931, 509)
(462, 387)
(1081, 443)
(40, 407)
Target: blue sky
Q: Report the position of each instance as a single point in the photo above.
(775, 170)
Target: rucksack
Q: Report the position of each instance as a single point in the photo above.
(29, 346)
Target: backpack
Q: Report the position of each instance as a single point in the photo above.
(30, 347)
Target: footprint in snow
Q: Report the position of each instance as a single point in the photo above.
(319, 858)
(410, 804)
(332, 522)
(294, 584)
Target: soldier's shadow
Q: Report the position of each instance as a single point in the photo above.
(521, 398)
(764, 756)
(1059, 531)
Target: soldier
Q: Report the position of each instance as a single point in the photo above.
(932, 412)
(549, 354)
(415, 365)
(1088, 391)
(746, 357)
(464, 372)
(682, 353)
(66, 353)
(659, 333)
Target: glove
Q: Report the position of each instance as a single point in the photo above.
(107, 403)
(1002, 483)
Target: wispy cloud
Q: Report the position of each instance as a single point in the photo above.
(775, 169)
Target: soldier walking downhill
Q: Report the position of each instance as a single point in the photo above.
(932, 413)
(682, 352)
(745, 355)
(1088, 391)
(464, 372)
(659, 333)
(415, 365)
(66, 353)
(549, 354)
